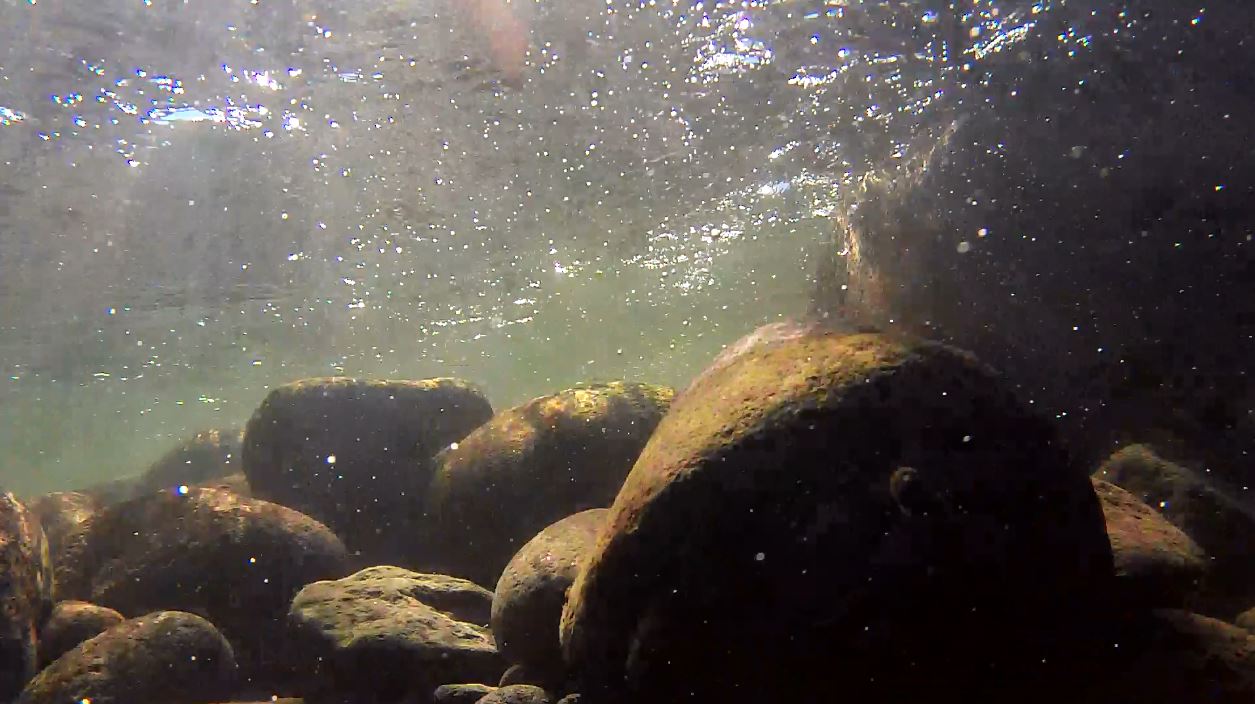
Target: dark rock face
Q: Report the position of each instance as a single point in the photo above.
(518, 694)
(840, 504)
(61, 513)
(461, 693)
(169, 657)
(1061, 230)
(1246, 620)
(1220, 523)
(386, 633)
(532, 465)
(527, 605)
(208, 455)
(25, 593)
(357, 454)
(238, 561)
(71, 623)
(1168, 657)
(1156, 564)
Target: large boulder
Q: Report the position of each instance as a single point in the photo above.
(1220, 523)
(61, 513)
(25, 592)
(1156, 563)
(532, 465)
(71, 623)
(168, 658)
(357, 454)
(527, 605)
(235, 560)
(385, 633)
(878, 510)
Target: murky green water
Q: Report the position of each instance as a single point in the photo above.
(199, 202)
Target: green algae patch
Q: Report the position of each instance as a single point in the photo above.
(532, 465)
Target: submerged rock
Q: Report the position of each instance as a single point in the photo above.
(237, 561)
(1169, 657)
(206, 456)
(524, 674)
(61, 513)
(281, 700)
(71, 623)
(461, 693)
(840, 505)
(518, 694)
(1156, 563)
(1221, 524)
(357, 454)
(532, 465)
(527, 606)
(25, 593)
(168, 657)
(385, 633)
(236, 483)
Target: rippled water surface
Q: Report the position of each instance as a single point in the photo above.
(201, 199)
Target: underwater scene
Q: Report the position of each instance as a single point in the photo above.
(627, 351)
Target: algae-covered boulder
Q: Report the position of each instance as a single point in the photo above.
(518, 694)
(25, 593)
(385, 633)
(532, 465)
(61, 513)
(1156, 564)
(168, 657)
(235, 560)
(357, 454)
(461, 693)
(204, 457)
(878, 510)
(527, 605)
(71, 623)
(1215, 518)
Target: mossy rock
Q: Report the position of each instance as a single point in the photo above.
(532, 465)
(1156, 564)
(527, 605)
(840, 505)
(357, 455)
(26, 594)
(235, 560)
(71, 623)
(385, 633)
(1214, 517)
(461, 693)
(169, 657)
(518, 694)
(62, 512)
